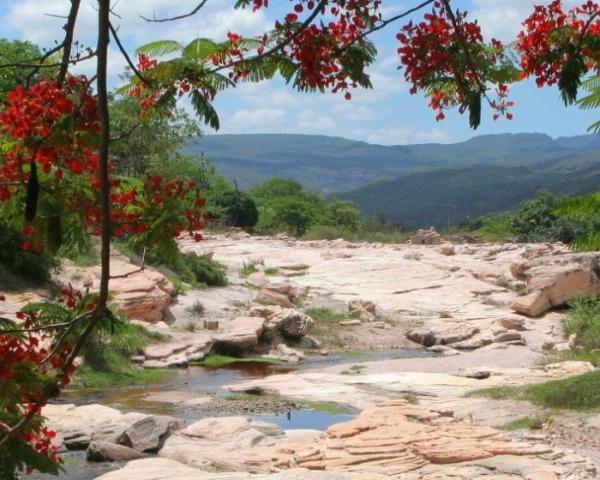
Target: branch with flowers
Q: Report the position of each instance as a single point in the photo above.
(55, 173)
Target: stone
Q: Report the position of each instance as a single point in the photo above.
(444, 334)
(141, 295)
(218, 428)
(554, 282)
(513, 323)
(447, 250)
(293, 324)
(257, 279)
(350, 323)
(509, 337)
(426, 237)
(365, 305)
(283, 288)
(211, 324)
(243, 335)
(285, 354)
(264, 311)
(268, 297)
(102, 451)
(310, 343)
(381, 325)
(473, 343)
(149, 434)
(80, 425)
(573, 343)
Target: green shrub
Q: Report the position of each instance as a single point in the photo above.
(237, 209)
(107, 357)
(28, 265)
(584, 321)
(206, 271)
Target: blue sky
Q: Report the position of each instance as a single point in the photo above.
(387, 115)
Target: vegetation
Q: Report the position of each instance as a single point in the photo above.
(107, 357)
(250, 267)
(584, 321)
(526, 423)
(581, 392)
(18, 265)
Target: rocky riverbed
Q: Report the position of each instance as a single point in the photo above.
(483, 315)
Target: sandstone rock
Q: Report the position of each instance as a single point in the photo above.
(513, 323)
(426, 237)
(291, 323)
(101, 451)
(552, 283)
(268, 297)
(365, 305)
(573, 343)
(473, 343)
(218, 428)
(149, 434)
(264, 311)
(283, 288)
(243, 335)
(447, 249)
(350, 323)
(80, 425)
(509, 337)
(310, 343)
(257, 279)
(285, 354)
(381, 325)
(442, 335)
(140, 294)
(211, 324)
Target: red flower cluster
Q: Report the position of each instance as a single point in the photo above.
(549, 36)
(433, 57)
(33, 117)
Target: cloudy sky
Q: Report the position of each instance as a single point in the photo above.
(387, 115)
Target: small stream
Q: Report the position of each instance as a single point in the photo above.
(209, 381)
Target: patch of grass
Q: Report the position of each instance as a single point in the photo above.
(196, 308)
(581, 392)
(584, 321)
(271, 271)
(190, 326)
(216, 360)
(242, 397)
(107, 358)
(354, 370)
(411, 398)
(250, 267)
(525, 423)
(325, 315)
(517, 287)
(325, 407)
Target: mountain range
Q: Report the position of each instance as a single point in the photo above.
(424, 184)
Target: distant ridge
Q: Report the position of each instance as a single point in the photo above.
(400, 180)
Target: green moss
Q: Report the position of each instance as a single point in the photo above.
(326, 407)
(581, 392)
(250, 267)
(216, 360)
(325, 315)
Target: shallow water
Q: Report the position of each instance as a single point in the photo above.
(202, 380)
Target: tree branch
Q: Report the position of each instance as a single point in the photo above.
(178, 17)
(68, 41)
(126, 55)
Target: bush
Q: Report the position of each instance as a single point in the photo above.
(28, 265)
(206, 271)
(237, 209)
(584, 321)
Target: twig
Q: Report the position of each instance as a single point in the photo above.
(126, 55)
(178, 17)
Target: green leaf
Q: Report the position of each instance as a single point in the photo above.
(200, 49)
(205, 110)
(160, 48)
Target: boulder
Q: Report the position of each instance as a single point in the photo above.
(513, 323)
(264, 311)
(285, 354)
(269, 297)
(426, 237)
(293, 324)
(442, 335)
(310, 343)
(101, 451)
(149, 434)
(257, 279)
(447, 250)
(244, 334)
(217, 428)
(509, 337)
(350, 323)
(554, 281)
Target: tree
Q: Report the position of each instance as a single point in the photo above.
(343, 213)
(238, 209)
(56, 161)
(16, 52)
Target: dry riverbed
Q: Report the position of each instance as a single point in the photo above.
(415, 421)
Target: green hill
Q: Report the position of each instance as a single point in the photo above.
(414, 184)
